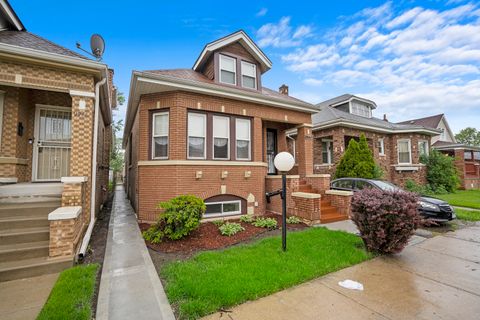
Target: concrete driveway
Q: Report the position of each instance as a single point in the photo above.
(438, 278)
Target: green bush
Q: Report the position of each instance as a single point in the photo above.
(293, 220)
(442, 175)
(181, 216)
(218, 223)
(247, 218)
(268, 223)
(358, 162)
(412, 186)
(230, 228)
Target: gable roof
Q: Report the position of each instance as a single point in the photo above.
(343, 99)
(7, 12)
(429, 122)
(330, 117)
(240, 37)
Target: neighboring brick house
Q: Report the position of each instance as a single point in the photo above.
(55, 135)
(396, 147)
(467, 158)
(213, 131)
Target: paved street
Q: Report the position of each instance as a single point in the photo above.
(130, 287)
(438, 278)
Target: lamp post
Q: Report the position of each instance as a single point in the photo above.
(284, 162)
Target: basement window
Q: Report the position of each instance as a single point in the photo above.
(223, 208)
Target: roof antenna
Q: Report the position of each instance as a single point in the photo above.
(97, 46)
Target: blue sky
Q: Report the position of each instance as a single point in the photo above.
(414, 58)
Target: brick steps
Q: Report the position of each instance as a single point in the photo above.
(19, 269)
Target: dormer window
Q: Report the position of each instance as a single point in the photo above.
(360, 109)
(228, 70)
(249, 75)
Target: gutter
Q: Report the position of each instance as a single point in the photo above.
(335, 123)
(88, 234)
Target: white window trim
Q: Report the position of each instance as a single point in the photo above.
(2, 103)
(232, 213)
(426, 149)
(204, 137)
(249, 140)
(220, 69)
(409, 151)
(329, 154)
(381, 141)
(255, 72)
(158, 136)
(227, 137)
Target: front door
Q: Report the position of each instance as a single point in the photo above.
(52, 144)
(271, 150)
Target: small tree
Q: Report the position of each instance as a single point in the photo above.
(358, 162)
(441, 172)
(469, 136)
(116, 155)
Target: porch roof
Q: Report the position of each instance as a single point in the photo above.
(446, 146)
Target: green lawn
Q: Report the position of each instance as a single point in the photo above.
(221, 279)
(71, 297)
(468, 215)
(462, 198)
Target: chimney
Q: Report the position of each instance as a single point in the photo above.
(385, 117)
(283, 89)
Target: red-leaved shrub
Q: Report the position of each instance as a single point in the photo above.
(385, 219)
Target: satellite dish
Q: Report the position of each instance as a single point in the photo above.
(97, 45)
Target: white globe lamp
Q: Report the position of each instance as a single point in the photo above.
(284, 162)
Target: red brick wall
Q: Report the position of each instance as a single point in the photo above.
(307, 208)
(275, 183)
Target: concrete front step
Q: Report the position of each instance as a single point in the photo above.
(22, 251)
(42, 208)
(19, 222)
(12, 270)
(14, 236)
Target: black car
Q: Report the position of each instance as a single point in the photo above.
(431, 208)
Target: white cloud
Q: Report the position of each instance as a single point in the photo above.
(418, 61)
(281, 34)
(262, 12)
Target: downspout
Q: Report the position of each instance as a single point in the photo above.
(88, 234)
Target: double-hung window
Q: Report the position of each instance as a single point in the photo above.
(404, 151)
(242, 132)
(221, 138)
(327, 152)
(228, 70)
(159, 136)
(249, 75)
(381, 147)
(423, 147)
(197, 132)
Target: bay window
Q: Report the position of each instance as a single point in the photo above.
(160, 135)
(404, 151)
(228, 70)
(242, 139)
(221, 138)
(197, 132)
(249, 75)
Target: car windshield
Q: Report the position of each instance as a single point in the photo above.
(386, 186)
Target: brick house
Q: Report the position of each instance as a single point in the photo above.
(55, 135)
(467, 158)
(396, 147)
(213, 131)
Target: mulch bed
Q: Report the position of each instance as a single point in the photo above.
(208, 237)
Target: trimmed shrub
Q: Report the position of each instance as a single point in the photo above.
(181, 216)
(247, 218)
(230, 228)
(385, 219)
(442, 174)
(293, 220)
(218, 223)
(268, 223)
(358, 162)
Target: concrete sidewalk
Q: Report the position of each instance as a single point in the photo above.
(438, 278)
(130, 287)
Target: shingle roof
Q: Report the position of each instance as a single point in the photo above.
(428, 122)
(29, 40)
(329, 114)
(343, 97)
(192, 75)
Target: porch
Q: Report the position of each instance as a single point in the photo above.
(467, 162)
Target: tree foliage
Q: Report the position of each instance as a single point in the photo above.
(469, 136)
(441, 172)
(117, 156)
(358, 162)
